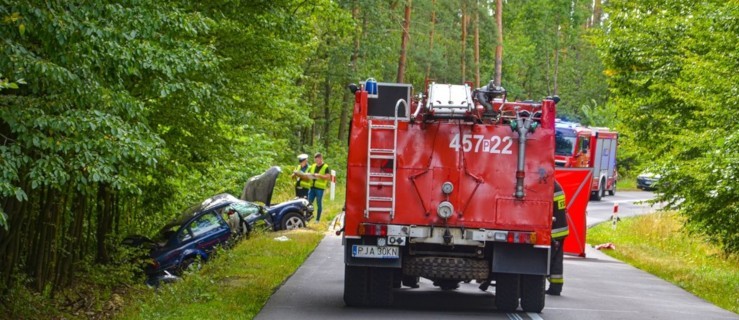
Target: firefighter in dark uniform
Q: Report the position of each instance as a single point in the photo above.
(560, 230)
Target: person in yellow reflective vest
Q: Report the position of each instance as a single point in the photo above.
(560, 230)
(319, 170)
(302, 185)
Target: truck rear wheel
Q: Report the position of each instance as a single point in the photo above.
(602, 188)
(532, 293)
(507, 291)
(612, 192)
(355, 286)
(380, 286)
(410, 281)
(598, 194)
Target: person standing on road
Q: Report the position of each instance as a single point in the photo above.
(560, 230)
(301, 185)
(319, 170)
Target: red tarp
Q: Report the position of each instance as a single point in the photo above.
(576, 185)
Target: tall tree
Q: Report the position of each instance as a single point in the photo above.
(673, 76)
(404, 41)
(464, 20)
(477, 44)
(431, 38)
(499, 43)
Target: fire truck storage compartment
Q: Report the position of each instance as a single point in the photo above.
(388, 94)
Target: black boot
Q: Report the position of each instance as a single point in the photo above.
(554, 289)
(485, 285)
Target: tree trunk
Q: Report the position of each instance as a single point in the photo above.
(431, 39)
(348, 97)
(10, 241)
(555, 77)
(477, 44)
(79, 208)
(404, 42)
(464, 40)
(499, 46)
(597, 13)
(327, 111)
(103, 224)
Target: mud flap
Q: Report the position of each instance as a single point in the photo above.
(522, 259)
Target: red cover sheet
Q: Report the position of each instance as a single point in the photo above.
(576, 184)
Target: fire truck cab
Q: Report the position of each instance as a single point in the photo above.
(450, 188)
(588, 147)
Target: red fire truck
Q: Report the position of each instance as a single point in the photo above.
(588, 147)
(444, 188)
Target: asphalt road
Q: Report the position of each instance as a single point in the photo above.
(597, 287)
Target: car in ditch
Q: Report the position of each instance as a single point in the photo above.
(191, 238)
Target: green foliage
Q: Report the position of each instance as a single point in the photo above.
(108, 87)
(673, 80)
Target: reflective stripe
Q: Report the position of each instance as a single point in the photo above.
(559, 280)
(560, 232)
(558, 194)
(560, 200)
(319, 183)
(304, 183)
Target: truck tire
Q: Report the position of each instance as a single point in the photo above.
(507, 292)
(355, 286)
(410, 281)
(602, 188)
(380, 287)
(612, 192)
(598, 194)
(532, 293)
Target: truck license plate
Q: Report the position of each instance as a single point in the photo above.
(387, 252)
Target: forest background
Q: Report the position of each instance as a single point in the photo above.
(115, 115)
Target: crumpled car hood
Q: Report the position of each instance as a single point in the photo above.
(259, 188)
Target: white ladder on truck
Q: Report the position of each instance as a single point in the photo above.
(375, 179)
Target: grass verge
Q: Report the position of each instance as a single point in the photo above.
(657, 244)
(239, 281)
(626, 184)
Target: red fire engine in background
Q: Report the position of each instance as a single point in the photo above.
(450, 188)
(588, 147)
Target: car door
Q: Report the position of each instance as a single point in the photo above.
(253, 214)
(208, 230)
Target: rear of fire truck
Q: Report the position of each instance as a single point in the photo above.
(453, 185)
(588, 147)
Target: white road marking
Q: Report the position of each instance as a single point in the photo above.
(534, 316)
(596, 310)
(514, 316)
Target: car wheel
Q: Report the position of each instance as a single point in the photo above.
(189, 264)
(292, 221)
